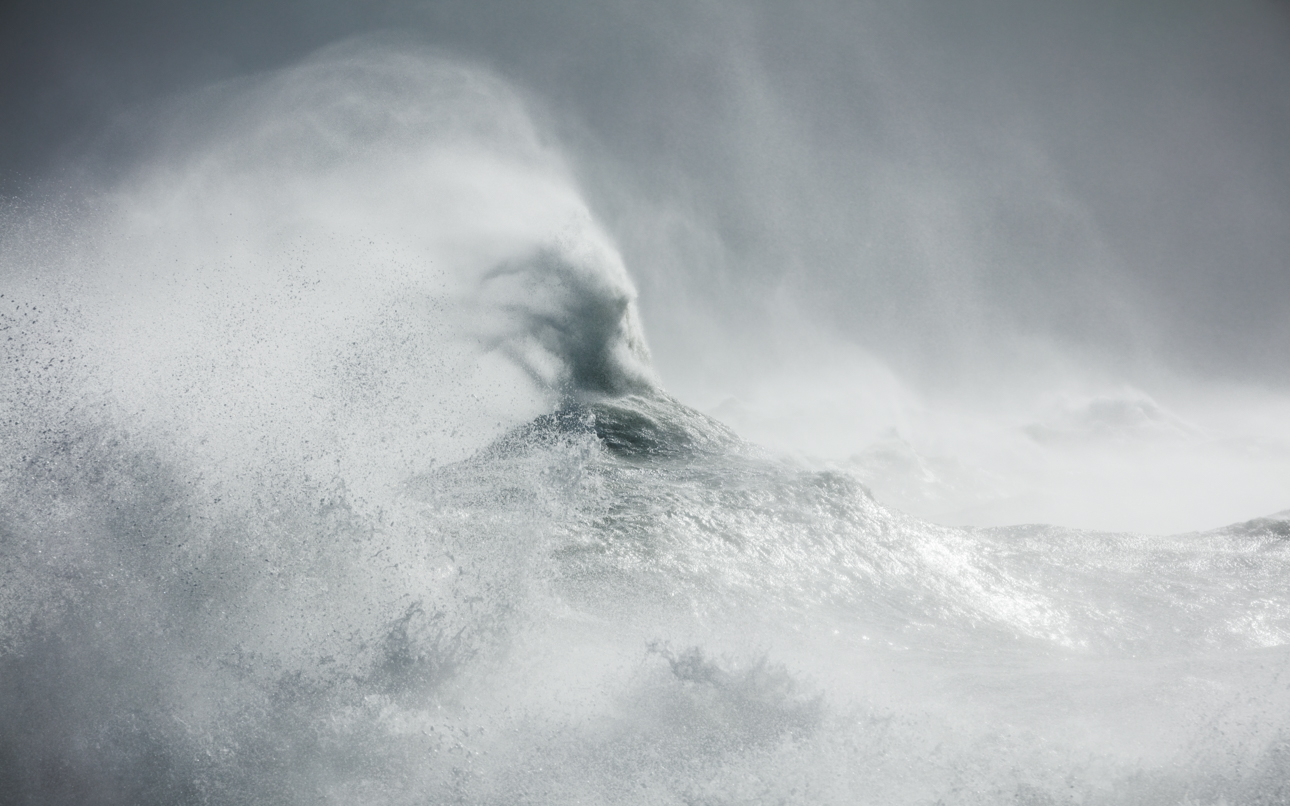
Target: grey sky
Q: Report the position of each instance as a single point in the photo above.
(943, 183)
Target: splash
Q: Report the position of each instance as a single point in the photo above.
(374, 247)
(335, 471)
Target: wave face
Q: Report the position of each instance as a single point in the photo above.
(335, 472)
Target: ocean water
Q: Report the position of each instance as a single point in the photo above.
(335, 471)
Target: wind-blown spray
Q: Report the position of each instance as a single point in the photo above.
(335, 471)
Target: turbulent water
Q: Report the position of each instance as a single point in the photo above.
(334, 471)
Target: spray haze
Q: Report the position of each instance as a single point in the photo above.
(316, 241)
(1012, 211)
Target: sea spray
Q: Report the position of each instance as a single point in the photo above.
(335, 471)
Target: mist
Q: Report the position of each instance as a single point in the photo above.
(932, 229)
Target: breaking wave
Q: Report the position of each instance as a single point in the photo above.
(335, 472)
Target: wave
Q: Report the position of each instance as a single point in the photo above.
(335, 470)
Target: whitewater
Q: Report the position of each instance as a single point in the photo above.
(335, 470)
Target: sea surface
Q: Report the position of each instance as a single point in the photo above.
(334, 469)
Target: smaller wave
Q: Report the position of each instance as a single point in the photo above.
(1275, 528)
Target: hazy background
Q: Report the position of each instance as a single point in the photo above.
(1008, 261)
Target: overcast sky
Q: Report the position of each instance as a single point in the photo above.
(945, 184)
